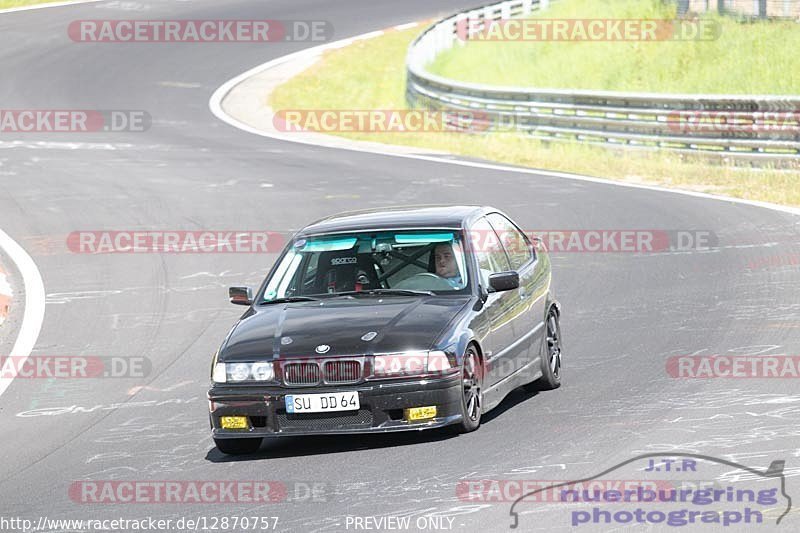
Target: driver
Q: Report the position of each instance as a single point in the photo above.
(446, 266)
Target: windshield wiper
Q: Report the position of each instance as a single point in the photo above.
(399, 292)
(289, 299)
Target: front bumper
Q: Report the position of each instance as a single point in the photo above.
(381, 408)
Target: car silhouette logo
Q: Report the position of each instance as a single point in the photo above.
(322, 348)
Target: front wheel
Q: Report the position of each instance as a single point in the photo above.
(551, 358)
(238, 446)
(472, 393)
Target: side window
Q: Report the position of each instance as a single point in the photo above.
(485, 244)
(516, 243)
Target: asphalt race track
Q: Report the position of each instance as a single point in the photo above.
(624, 314)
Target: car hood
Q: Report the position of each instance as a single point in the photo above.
(297, 329)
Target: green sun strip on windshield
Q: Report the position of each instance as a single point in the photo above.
(415, 238)
(325, 245)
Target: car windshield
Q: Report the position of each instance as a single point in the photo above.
(406, 261)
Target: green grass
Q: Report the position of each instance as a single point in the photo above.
(4, 4)
(371, 75)
(754, 58)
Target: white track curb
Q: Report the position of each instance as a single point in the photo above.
(33, 316)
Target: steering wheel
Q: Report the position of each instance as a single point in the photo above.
(424, 281)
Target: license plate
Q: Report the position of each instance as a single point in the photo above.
(322, 403)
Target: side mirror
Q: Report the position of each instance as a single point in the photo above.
(241, 295)
(504, 281)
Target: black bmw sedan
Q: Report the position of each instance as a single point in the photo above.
(387, 320)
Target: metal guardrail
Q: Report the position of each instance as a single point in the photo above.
(749, 9)
(789, 9)
(753, 127)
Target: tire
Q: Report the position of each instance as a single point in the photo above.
(472, 392)
(238, 446)
(551, 355)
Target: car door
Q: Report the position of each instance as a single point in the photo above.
(502, 355)
(533, 283)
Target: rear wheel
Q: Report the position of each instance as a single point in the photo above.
(551, 358)
(237, 446)
(471, 387)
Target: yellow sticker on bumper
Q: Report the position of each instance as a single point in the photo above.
(419, 413)
(234, 422)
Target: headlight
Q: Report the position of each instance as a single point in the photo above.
(262, 372)
(410, 364)
(238, 372)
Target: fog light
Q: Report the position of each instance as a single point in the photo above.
(419, 413)
(233, 422)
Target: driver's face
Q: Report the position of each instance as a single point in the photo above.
(445, 261)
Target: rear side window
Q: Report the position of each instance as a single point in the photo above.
(516, 243)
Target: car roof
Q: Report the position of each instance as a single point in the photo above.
(427, 216)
